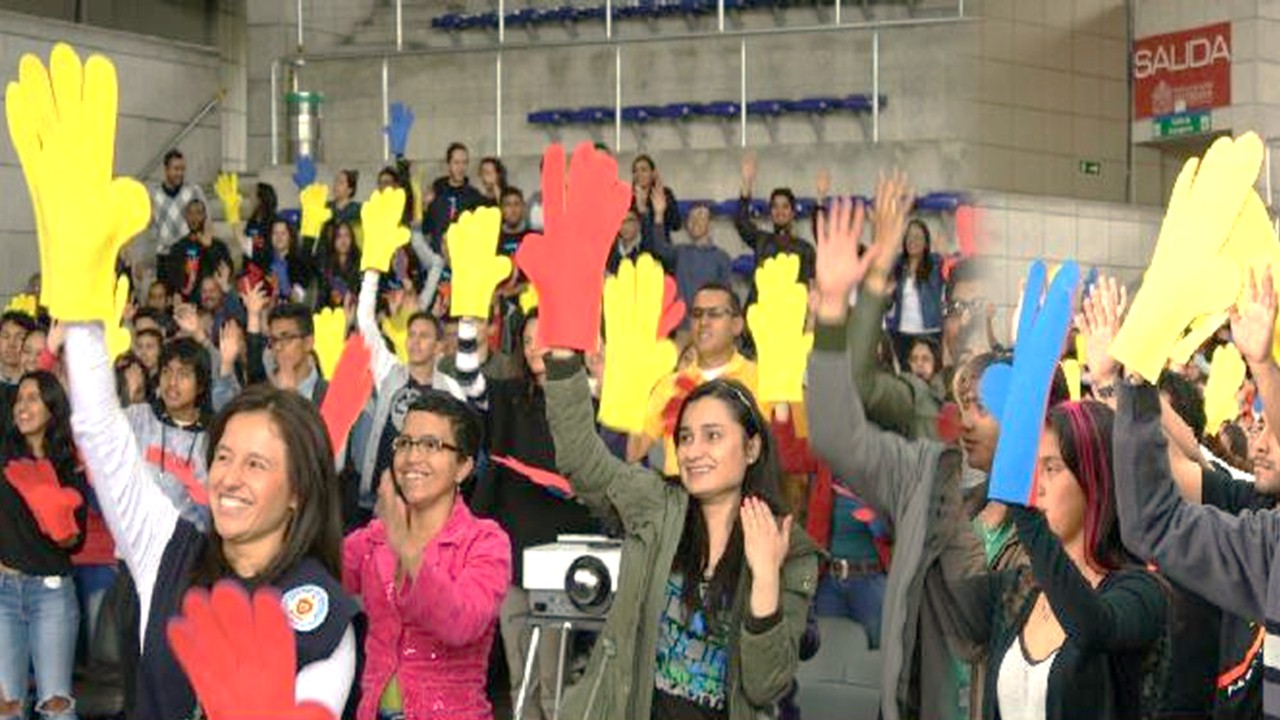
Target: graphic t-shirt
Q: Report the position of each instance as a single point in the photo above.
(693, 660)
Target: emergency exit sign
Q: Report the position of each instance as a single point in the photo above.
(1090, 167)
(1187, 123)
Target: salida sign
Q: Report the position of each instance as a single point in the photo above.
(1182, 71)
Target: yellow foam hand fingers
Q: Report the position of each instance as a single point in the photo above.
(62, 120)
(314, 199)
(119, 339)
(331, 334)
(24, 303)
(1071, 371)
(777, 324)
(384, 233)
(228, 189)
(1208, 198)
(528, 299)
(396, 328)
(636, 356)
(477, 266)
(1226, 375)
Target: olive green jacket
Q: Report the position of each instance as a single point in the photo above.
(619, 680)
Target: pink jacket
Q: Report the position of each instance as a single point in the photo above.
(433, 632)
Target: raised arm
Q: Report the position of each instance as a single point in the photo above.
(384, 361)
(1224, 558)
(1129, 614)
(598, 478)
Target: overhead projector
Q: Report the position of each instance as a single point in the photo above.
(574, 577)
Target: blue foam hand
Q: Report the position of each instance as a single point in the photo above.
(1022, 391)
(304, 172)
(401, 121)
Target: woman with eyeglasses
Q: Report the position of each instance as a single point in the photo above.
(432, 576)
(274, 505)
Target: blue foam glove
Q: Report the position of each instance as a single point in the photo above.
(305, 172)
(398, 131)
(1042, 330)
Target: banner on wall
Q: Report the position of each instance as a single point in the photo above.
(1181, 71)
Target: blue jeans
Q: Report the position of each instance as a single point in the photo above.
(39, 617)
(92, 583)
(859, 598)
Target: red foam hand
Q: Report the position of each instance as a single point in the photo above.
(52, 504)
(545, 478)
(566, 261)
(239, 654)
(348, 391)
(182, 469)
(966, 241)
(672, 308)
(949, 423)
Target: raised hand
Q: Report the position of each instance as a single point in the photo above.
(765, 541)
(1207, 199)
(228, 189)
(658, 196)
(381, 217)
(839, 268)
(230, 342)
(478, 267)
(777, 323)
(240, 655)
(749, 169)
(255, 304)
(315, 209)
(894, 200)
(62, 121)
(566, 261)
(401, 121)
(188, 320)
(1101, 314)
(1253, 319)
(640, 309)
(823, 184)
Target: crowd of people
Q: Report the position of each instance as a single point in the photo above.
(167, 497)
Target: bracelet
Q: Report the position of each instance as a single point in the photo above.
(1106, 391)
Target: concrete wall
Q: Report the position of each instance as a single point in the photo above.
(162, 84)
(188, 21)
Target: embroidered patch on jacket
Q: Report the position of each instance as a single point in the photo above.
(307, 607)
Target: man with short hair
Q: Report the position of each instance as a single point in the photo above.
(696, 263)
(717, 319)
(196, 256)
(291, 339)
(14, 326)
(169, 201)
(782, 214)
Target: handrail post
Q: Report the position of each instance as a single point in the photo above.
(386, 109)
(742, 81)
(275, 111)
(875, 86)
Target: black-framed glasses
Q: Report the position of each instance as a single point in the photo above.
(429, 444)
(712, 313)
(274, 341)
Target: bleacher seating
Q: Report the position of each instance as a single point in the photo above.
(721, 109)
(622, 10)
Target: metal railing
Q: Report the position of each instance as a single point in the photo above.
(150, 166)
(609, 40)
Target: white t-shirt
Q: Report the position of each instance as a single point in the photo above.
(910, 316)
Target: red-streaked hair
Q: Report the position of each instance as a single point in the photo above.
(1084, 436)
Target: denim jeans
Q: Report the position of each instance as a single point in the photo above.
(859, 598)
(39, 617)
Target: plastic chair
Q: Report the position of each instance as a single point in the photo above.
(767, 108)
(641, 113)
(548, 117)
(590, 115)
(814, 105)
(719, 109)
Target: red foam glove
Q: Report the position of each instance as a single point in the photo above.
(348, 391)
(566, 262)
(182, 469)
(52, 504)
(556, 484)
(239, 655)
(673, 308)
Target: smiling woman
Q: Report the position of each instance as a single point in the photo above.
(274, 502)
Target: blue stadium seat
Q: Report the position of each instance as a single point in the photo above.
(805, 206)
(590, 115)
(641, 113)
(861, 103)
(292, 216)
(814, 105)
(684, 206)
(561, 14)
(760, 206)
(594, 12)
(697, 7)
(449, 21)
(675, 111)
(939, 201)
(767, 108)
(639, 9)
(720, 109)
(725, 208)
(549, 117)
(523, 17)
(744, 265)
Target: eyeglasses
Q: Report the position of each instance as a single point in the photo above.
(714, 313)
(429, 444)
(275, 341)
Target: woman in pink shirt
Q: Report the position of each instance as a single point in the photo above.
(432, 576)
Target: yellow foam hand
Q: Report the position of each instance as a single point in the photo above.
(1071, 371)
(24, 303)
(416, 185)
(1207, 199)
(314, 199)
(119, 339)
(477, 266)
(396, 328)
(777, 324)
(637, 355)
(330, 334)
(529, 299)
(62, 121)
(1226, 375)
(384, 234)
(228, 189)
